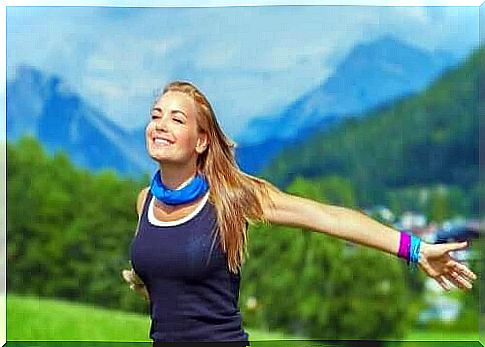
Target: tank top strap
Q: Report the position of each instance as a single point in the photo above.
(146, 204)
(144, 212)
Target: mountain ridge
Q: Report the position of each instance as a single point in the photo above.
(373, 74)
(62, 120)
(428, 138)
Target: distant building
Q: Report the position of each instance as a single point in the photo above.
(412, 221)
(443, 309)
(458, 231)
(381, 212)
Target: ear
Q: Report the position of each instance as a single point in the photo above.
(202, 142)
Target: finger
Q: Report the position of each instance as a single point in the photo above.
(137, 288)
(455, 246)
(441, 281)
(464, 271)
(127, 275)
(136, 278)
(458, 281)
(463, 283)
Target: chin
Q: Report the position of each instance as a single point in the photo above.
(164, 159)
(160, 158)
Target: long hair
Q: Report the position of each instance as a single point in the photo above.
(237, 196)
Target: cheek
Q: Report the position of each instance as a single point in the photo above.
(148, 128)
(187, 137)
(148, 132)
(194, 139)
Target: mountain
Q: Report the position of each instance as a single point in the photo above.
(372, 74)
(431, 138)
(44, 107)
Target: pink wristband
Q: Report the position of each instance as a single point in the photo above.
(404, 245)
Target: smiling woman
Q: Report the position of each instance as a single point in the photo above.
(172, 133)
(190, 243)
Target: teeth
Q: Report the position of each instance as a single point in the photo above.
(162, 142)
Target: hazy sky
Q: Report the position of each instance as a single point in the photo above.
(247, 60)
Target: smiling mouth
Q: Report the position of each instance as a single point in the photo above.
(159, 141)
(162, 142)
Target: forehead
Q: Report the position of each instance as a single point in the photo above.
(177, 100)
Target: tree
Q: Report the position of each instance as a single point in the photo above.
(312, 284)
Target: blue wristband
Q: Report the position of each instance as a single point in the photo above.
(414, 250)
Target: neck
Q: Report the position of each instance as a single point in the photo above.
(174, 176)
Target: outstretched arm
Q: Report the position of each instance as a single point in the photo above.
(355, 226)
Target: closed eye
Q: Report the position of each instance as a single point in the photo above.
(155, 114)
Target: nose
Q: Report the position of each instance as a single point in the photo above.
(160, 123)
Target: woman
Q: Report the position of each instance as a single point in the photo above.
(190, 243)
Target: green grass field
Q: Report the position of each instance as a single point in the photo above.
(30, 318)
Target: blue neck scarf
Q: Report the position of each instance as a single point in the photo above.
(196, 188)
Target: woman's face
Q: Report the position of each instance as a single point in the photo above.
(172, 135)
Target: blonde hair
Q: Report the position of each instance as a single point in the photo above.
(237, 196)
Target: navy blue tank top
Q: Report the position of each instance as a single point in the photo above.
(193, 295)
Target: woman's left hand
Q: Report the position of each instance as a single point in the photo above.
(135, 282)
(438, 264)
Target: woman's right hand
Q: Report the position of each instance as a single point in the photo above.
(436, 261)
(135, 283)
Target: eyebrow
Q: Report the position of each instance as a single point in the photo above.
(159, 109)
(180, 111)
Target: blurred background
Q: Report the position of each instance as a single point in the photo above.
(372, 108)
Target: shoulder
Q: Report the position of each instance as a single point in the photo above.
(140, 201)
